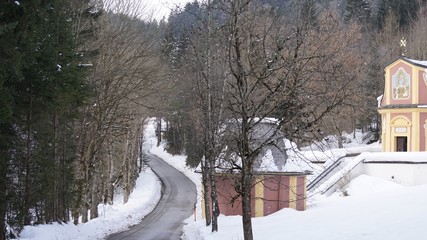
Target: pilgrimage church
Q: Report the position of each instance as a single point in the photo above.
(403, 106)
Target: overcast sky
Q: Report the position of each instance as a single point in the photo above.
(163, 7)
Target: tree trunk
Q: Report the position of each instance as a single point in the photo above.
(206, 189)
(246, 206)
(111, 183)
(3, 191)
(85, 210)
(214, 198)
(126, 171)
(79, 201)
(340, 143)
(159, 131)
(94, 200)
(141, 155)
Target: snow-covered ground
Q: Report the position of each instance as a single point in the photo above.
(112, 218)
(375, 209)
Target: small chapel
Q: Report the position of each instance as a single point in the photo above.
(403, 106)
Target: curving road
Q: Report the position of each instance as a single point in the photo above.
(176, 204)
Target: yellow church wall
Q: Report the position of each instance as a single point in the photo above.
(423, 131)
(387, 84)
(414, 120)
(408, 122)
(415, 132)
(398, 122)
(259, 196)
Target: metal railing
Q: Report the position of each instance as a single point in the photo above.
(328, 170)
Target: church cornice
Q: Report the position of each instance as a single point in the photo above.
(401, 106)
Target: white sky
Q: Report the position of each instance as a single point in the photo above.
(145, 9)
(161, 8)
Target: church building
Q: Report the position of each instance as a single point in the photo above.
(403, 106)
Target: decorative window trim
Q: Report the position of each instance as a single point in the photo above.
(401, 85)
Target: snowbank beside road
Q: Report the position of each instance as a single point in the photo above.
(112, 218)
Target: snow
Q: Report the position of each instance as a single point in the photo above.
(365, 185)
(341, 173)
(267, 164)
(374, 209)
(380, 99)
(414, 157)
(423, 63)
(114, 218)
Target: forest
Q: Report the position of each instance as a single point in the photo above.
(79, 78)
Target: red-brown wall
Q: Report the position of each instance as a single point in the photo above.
(276, 194)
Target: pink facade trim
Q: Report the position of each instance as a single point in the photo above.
(272, 194)
(284, 193)
(407, 115)
(393, 71)
(422, 87)
(300, 193)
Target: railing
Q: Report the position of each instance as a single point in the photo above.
(339, 179)
(328, 170)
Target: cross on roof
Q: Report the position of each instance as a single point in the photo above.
(403, 46)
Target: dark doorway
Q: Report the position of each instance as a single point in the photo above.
(401, 144)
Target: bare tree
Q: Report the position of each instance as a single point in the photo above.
(204, 69)
(417, 47)
(283, 68)
(125, 74)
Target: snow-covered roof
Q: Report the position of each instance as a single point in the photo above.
(417, 62)
(283, 157)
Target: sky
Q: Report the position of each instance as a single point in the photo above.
(146, 9)
(162, 8)
(372, 209)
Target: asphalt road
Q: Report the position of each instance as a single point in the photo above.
(176, 204)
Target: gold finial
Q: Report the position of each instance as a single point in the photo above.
(403, 46)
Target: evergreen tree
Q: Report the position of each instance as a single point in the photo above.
(42, 87)
(310, 12)
(405, 11)
(358, 10)
(9, 62)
